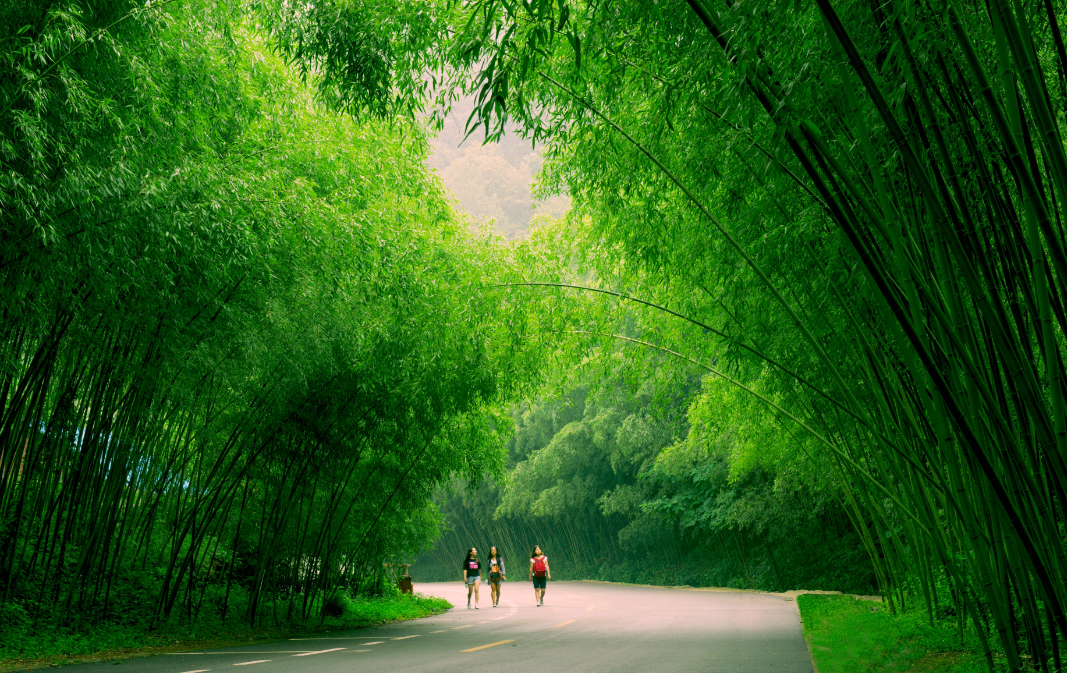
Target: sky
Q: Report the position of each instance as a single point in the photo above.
(491, 181)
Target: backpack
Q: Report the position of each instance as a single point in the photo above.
(539, 567)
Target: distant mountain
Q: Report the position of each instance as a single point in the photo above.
(491, 181)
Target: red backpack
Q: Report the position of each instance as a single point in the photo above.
(539, 567)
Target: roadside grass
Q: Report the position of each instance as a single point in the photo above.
(47, 647)
(850, 635)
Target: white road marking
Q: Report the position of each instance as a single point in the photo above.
(376, 642)
(340, 638)
(463, 627)
(406, 637)
(202, 670)
(441, 631)
(247, 663)
(308, 654)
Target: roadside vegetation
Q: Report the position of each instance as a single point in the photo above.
(846, 221)
(847, 635)
(244, 334)
(21, 649)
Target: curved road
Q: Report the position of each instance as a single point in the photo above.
(583, 626)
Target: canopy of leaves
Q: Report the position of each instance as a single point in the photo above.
(244, 335)
(855, 212)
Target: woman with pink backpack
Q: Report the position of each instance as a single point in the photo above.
(540, 573)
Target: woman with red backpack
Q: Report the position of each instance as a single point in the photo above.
(540, 573)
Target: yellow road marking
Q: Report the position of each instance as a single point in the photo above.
(376, 642)
(441, 631)
(246, 663)
(569, 621)
(202, 670)
(475, 649)
(406, 637)
(485, 622)
(308, 654)
(463, 627)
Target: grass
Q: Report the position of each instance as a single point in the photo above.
(112, 642)
(851, 635)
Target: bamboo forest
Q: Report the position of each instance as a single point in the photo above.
(802, 326)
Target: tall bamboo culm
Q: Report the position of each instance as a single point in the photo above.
(952, 197)
(928, 357)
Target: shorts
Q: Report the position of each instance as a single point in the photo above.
(540, 582)
(471, 579)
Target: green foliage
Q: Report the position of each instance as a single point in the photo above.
(393, 608)
(235, 321)
(30, 644)
(851, 212)
(366, 57)
(848, 634)
(614, 488)
(244, 336)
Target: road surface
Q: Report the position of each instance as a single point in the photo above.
(583, 626)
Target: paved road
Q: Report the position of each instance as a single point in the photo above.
(583, 626)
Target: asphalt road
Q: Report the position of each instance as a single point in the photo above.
(583, 626)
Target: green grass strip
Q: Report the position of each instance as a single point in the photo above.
(850, 635)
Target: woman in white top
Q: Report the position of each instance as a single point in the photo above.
(540, 573)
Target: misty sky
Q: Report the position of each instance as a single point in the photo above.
(491, 181)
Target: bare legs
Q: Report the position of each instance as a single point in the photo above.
(473, 588)
(494, 592)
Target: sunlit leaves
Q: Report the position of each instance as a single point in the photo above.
(247, 324)
(884, 182)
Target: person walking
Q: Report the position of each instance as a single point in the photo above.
(497, 574)
(472, 576)
(540, 573)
